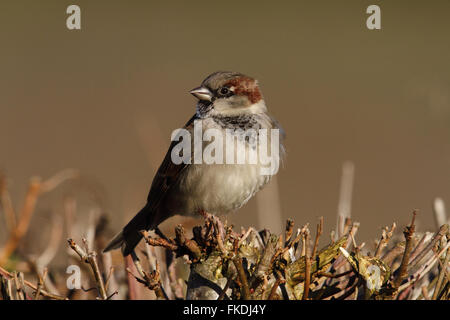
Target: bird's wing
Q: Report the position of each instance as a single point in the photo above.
(167, 174)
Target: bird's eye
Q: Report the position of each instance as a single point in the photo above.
(224, 91)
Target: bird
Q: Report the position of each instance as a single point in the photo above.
(230, 103)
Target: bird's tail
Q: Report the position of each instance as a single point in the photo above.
(129, 237)
(115, 243)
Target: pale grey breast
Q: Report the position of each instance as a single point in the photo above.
(221, 188)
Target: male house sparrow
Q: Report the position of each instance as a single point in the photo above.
(226, 101)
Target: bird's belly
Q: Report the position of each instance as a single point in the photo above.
(218, 188)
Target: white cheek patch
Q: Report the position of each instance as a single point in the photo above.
(223, 104)
(224, 107)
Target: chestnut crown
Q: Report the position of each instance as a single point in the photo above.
(234, 87)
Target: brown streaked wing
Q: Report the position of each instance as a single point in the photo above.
(167, 174)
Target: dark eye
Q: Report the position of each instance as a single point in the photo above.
(224, 91)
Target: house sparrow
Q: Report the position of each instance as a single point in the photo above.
(227, 101)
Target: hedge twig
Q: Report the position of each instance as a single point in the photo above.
(403, 270)
(437, 288)
(90, 257)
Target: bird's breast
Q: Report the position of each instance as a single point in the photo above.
(219, 188)
(229, 174)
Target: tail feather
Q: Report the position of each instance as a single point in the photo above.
(115, 243)
(129, 237)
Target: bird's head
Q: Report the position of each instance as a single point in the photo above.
(228, 93)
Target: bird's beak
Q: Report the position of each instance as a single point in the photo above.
(201, 93)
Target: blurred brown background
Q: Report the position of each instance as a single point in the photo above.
(106, 98)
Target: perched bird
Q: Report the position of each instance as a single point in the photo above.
(228, 102)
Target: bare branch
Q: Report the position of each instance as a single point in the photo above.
(90, 257)
(307, 269)
(44, 293)
(408, 233)
(385, 237)
(440, 280)
(150, 280)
